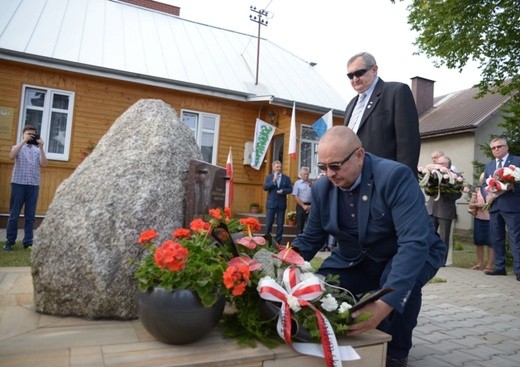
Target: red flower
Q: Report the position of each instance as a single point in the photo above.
(252, 223)
(236, 278)
(251, 242)
(227, 211)
(289, 256)
(215, 213)
(198, 225)
(181, 233)
(171, 255)
(245, 260)
(147, 236)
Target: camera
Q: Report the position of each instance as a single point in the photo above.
(34, 140)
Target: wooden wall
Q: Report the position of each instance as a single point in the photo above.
(99, 102)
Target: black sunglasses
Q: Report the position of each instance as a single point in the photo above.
(336, 166)
(358, 73)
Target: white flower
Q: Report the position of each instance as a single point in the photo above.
(293, 303)
(306, 267)
(344, 307)
(329, 303)
(306, 276)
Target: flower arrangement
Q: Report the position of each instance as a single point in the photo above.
(291, 216)
(436, 180)
(272, 293)
(502, 180)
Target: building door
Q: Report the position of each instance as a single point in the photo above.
(278, 148)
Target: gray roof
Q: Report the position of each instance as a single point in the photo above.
(115, 39)
(459, 112)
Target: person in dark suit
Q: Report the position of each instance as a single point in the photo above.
(504, 211)
(383, 114)
(278, 186)
(385, 239)
(443, 211)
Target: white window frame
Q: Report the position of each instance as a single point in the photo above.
(47, 111)
(314, 152)
(199, 130)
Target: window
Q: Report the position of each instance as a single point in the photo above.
(309, 150)
(205, 128)
(50, 111)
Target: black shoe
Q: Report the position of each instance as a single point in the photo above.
(518, 277)
(396, 362)
(29, 245)
(496, 272)
(8, 247)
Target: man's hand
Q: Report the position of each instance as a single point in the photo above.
(379, 311)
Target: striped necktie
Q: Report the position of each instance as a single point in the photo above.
(499, 164)
(357, 114)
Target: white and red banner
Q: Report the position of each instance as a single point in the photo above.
(292, 134)
(229, 181)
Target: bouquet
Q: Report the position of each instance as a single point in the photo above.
(436, 180)
(272, 293)
(503, 180)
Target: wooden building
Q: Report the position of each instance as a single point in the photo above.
(73, 66)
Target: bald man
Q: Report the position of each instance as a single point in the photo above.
(375, 210)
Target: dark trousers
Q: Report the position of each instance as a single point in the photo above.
(301, 218)
(443, 226)
(280, 219)
(498, 221)
(369, 276)
(22, 196)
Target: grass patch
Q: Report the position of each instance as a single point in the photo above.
(18, 257)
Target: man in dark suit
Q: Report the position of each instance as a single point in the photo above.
(443, 211)
(278, 186)
(504, 211)
(383, 115)
(385, 239)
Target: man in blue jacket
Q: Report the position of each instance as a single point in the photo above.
(504, 211)
(375, 210)
(278, 186)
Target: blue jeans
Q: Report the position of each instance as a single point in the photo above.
(369, 276)
(22, 196)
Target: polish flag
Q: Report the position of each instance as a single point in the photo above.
(292, 134)
(229, 181)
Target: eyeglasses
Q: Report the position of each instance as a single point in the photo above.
(336, 166)
(358, 73)
(497, 147)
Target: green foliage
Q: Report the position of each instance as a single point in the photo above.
(454, 32)
(201, 273)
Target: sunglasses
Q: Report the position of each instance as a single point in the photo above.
(497, 147)
(358, 73)
(336, 166)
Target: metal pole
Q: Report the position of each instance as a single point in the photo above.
(258, 19)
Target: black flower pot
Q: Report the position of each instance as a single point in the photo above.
(177, 317)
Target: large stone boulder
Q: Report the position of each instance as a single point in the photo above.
(84, 252)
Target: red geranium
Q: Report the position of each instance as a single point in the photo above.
(171, 255)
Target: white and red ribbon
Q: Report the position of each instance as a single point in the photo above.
(303, 291)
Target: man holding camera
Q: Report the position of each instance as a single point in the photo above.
(29, 156)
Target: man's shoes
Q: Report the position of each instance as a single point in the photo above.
(518, 277)
(496, 272)
(8, 247)
(396, 362)
(26, 246)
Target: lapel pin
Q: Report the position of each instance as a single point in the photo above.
(364, 198)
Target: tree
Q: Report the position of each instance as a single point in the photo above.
(453, 32)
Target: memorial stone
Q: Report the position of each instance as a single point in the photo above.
(85, 251)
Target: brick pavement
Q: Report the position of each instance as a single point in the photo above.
(472, 319)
